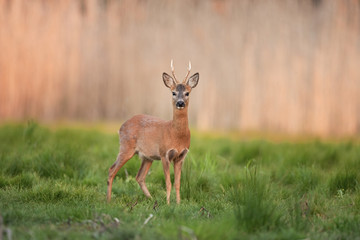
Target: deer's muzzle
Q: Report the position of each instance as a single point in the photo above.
(180, 104)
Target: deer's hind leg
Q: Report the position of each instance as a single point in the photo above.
(126, 152)
(141, 175)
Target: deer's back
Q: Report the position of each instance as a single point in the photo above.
(145, 134)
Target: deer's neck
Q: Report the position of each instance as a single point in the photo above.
(180, 123)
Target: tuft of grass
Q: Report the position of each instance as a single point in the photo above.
(247, 151)
(4, 182)
(16, 164)
(255, 209)
(201, 170)
(344, 181)
(61, 161)
(302, 179)
(23, 181)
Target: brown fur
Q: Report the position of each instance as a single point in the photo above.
(155, 139)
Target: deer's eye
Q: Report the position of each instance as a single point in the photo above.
(174, 93)
(187, 94)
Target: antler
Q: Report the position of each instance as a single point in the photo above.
(189, 68)
(173, 70)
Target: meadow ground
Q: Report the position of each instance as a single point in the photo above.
(53, 186)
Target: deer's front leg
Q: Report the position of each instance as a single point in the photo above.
(170, 156)
(177, 172)
(166, 167)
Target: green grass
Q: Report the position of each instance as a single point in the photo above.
(53, 186)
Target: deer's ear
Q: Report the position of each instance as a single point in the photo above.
(193, 80)
(168, 80)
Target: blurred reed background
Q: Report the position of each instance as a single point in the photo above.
(287, 66)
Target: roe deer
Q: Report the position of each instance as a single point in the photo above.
(155, 139)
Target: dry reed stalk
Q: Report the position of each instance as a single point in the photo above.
(285, 66)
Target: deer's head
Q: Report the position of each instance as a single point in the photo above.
(180, 90)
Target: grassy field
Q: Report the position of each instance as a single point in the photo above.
(53, 185)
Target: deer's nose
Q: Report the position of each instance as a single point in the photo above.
(180, 104)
